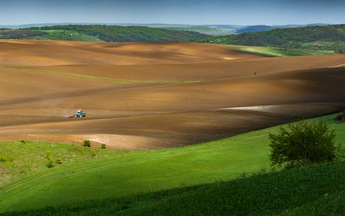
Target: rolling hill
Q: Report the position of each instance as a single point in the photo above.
(100, 33)
(312, 37)
(211, 178)
(256, 28)
(143, 99)
(153, 95)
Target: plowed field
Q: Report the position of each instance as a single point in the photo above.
(153, 95)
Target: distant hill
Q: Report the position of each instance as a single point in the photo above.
(256, 28)
(330, 37)
(214, 30)
(260, 28)
(100, 33)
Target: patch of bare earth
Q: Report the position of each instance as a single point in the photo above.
(227, 93)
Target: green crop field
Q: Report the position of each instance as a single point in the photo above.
(277, 52)
(80, 174)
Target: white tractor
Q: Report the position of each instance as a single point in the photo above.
(79, 114)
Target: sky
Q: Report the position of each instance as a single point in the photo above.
(194, 12)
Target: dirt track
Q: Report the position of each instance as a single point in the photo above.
(172, 95)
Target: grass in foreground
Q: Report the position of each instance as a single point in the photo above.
(315, 190)
(114, 176)
(25, 158)
(136, 172)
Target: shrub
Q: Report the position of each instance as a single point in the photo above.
(87, 143)
(93, 152)
(302, 144)
(50, 162)
(2, 158)
(341, 117)
(59, 161)
(103, 146)
(6, 158)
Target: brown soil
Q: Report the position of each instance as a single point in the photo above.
(40, 89)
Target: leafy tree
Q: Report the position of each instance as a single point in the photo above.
(302, 144)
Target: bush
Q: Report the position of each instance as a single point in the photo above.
(103, 146)
(302, 144)
(93, 152)
(50, 162)
(341, 117)
(59, 161)
(87, 143)
(2, 158)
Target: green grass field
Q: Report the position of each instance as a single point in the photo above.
(87, 174)
(277, 52)
(315, 190)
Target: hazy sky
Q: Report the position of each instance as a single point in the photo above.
(240, 12)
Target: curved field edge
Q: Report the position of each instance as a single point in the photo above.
(97, 77)
(135, 172)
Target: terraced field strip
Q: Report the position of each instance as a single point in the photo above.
(99, 78)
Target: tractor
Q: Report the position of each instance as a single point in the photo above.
(80, 114)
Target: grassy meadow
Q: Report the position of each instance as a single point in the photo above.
(277, 52)
(314, 190)
(79, 174)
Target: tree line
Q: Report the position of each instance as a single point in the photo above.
(330, 37)
(102, 33)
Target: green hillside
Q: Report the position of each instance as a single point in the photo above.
(311, 38)
(100, 33)
(315, 190)
(81, 174)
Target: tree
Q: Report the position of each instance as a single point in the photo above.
(302, 144)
